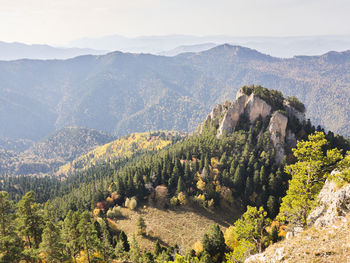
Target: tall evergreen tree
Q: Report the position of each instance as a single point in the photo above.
(30, 220)
(88, 235)
(308, 176)
(11, 245)
(214, 243)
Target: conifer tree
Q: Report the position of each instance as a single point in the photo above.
(30, 220)
(238, 179)
(214, 243)
(308, 176)
(251, 226)
(123, 240)
(180, 186)
(135, 252)
(11, 245)
(157, 249)
(141, 226)
(88, 236)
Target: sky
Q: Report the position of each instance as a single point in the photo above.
(57, 22)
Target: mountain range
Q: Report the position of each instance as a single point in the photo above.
(285, 47)
(121, 93)
(13, 51)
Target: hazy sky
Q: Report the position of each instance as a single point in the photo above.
(59, 21)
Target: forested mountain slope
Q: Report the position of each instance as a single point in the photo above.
(230, 167)
(125, 147)
(51, 152)
(122, 93)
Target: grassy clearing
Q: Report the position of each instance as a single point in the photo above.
(182, 226)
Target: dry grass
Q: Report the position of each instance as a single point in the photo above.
(331, 244)
(182, 226)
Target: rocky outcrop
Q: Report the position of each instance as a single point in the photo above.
(216, 114)
(256, 107)
(232, 115)
(292, 112)
(277, 128)
(251, 105)
(334, 204)
(328, 237)
(291, 139)
(226, 116)
(277, 256)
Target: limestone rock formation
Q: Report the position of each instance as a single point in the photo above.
(255, 107)
(291, 111)
(277, 128)
(226, 116)
(334, 204)
(277, 256)
(232, 115)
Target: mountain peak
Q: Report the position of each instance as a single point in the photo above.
(240, 52)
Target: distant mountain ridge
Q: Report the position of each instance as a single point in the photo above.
(122, 93)
(285, 47)
(14, 51)
(187, 48)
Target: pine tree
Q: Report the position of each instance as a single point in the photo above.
(274, 234)
(180, 186)
(88, 236)
(51, 245)
(30, 220)
(135, 252)
(123, 240)
(71, 234)
(106, 247)
(141, 226)
(214, 243)
(251, 226)
(308, 176)
(187, 173)
(157, 249)
(11, 245)
(271, 206)
(238, 179)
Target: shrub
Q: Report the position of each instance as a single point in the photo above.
(114, 212)
(296, 104)
(174, 201)
(182, 198)
(141, 226)
(131, 203)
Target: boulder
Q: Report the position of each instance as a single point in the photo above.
(277, 128)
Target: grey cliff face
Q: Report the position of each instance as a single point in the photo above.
(226, 116)
(277, 128)
(334, 204)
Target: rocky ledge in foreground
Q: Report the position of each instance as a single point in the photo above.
(326, 240)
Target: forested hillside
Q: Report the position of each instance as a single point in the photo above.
(125, 147)
(48, 154)
(123, 93)
(226, 169)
